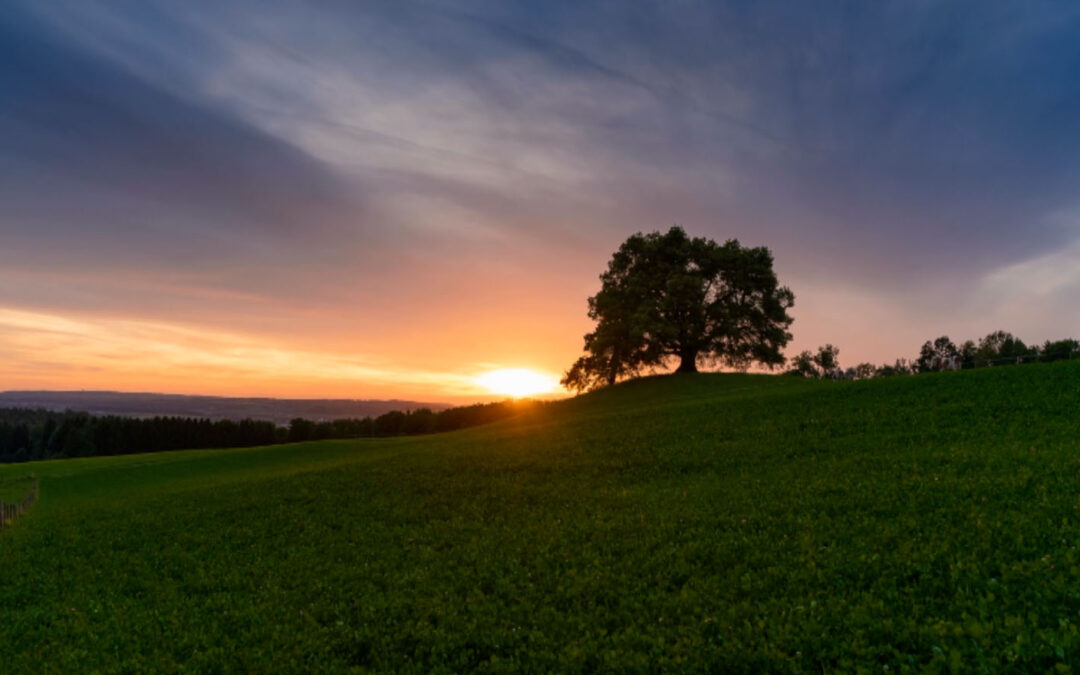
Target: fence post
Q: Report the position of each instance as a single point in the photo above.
(9, 512)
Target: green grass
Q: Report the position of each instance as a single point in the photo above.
(14, 490)
(716, 522)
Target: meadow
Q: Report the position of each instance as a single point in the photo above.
(703, 523)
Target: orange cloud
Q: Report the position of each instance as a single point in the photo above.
(52, 351)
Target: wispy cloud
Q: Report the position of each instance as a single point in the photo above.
(76, 351)
(402, 173)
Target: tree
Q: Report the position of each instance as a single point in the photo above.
(968, 353)
(1001, 347)
(827, 359)
(420, 421)
(1060, 349)
(865, 371)
(935, 355)
(825, 363)
(803, 365)
(301, 429)
(668, 297)
(389, 423)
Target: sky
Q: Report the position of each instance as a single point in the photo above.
(388, 199)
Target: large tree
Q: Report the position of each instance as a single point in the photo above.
(667, 297)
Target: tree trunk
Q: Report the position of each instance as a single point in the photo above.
(688, 362)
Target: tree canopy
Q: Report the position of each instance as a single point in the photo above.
(934, 355)
(823, 364)
(667, 297)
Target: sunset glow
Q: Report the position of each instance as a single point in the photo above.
(441, 190)
(518, 382)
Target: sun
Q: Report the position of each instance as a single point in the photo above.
(517, 382)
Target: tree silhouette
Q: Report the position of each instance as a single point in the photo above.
(827, 359)
(803, 365)
(666, 297)
(1060, 349)
(825, 363)
(1001, 346)
(934, 355)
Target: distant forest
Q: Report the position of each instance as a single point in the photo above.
(135, 404)
(999, 348)
(27, 435)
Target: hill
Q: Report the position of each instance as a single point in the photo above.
(277, 410)
(733, 523)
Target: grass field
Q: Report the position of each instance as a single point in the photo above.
(15, 489)
(714, 522)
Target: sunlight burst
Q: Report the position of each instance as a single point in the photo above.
(517, 382)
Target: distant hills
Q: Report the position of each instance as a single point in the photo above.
(279, 410)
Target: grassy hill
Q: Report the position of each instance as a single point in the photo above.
(706, 522)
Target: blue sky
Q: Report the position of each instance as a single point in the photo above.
(421, 191)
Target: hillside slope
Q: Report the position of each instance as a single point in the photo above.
(712, 522)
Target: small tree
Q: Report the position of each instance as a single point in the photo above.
(934, 355)
(827, 359)
(822, 363)
(864, 371)
(666, 298)
(967, 354)
(803, 365)
(301, 429)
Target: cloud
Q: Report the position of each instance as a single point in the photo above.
(78, 350)
(380, 171)
(1037, 297)
(98, 154)
(885, 130)
(1039, 278)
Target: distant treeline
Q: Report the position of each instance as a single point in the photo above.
(27, 435)
(999, 348)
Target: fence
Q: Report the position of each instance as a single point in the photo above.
(9, 512)
(1030, 357)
